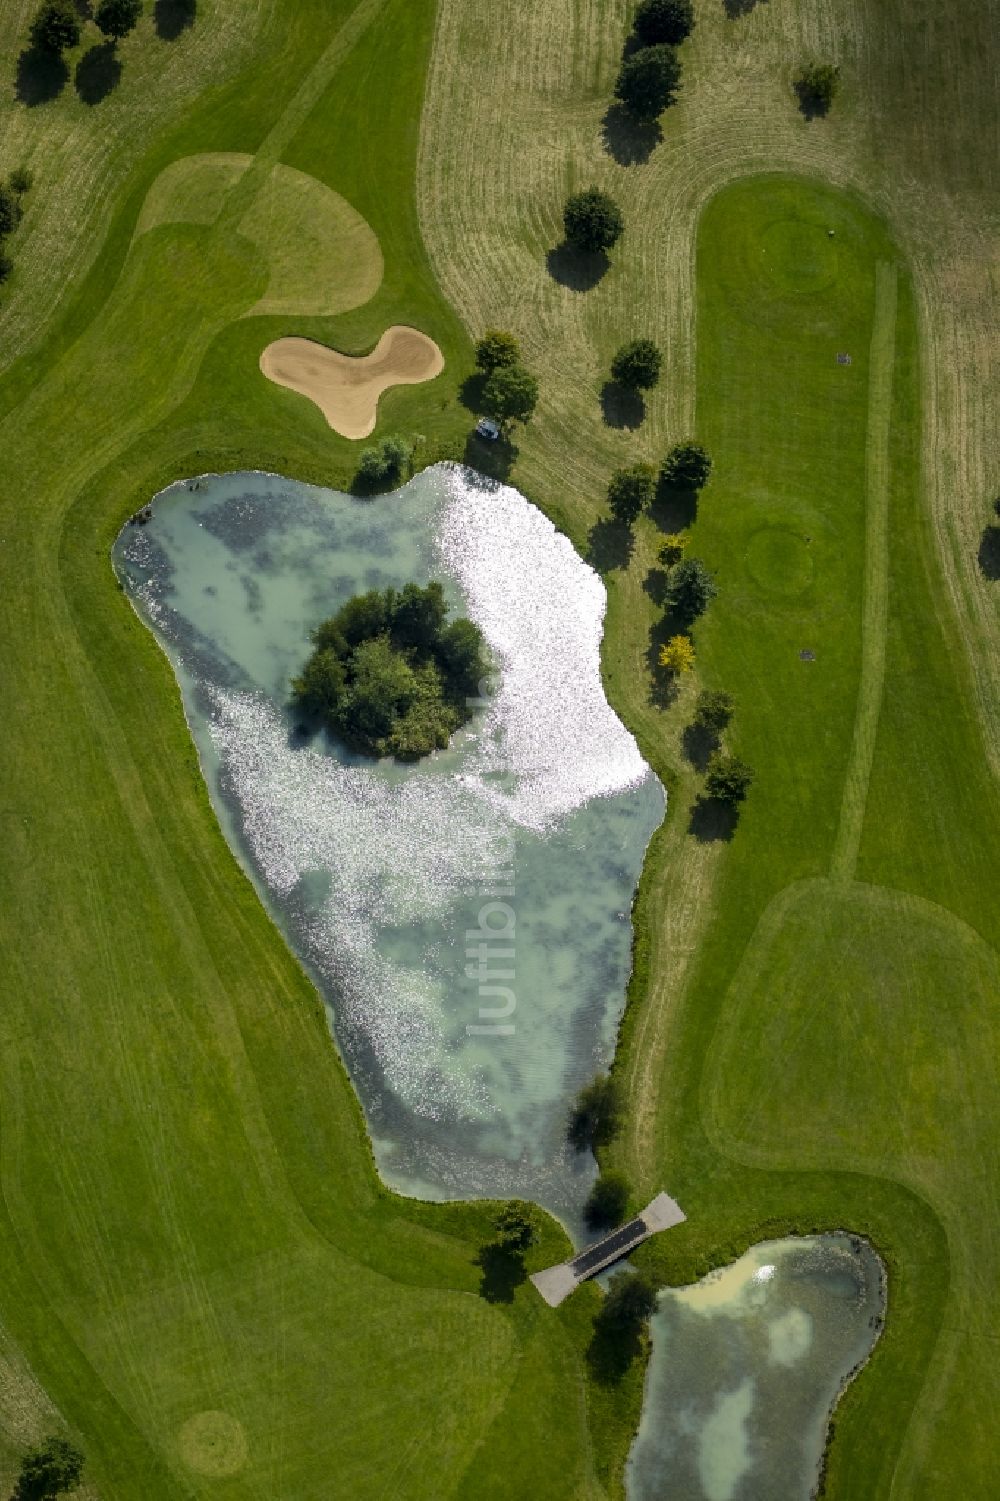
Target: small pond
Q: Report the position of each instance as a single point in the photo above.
(386, 877)
(745, 1368)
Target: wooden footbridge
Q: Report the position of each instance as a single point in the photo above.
(557, 1282)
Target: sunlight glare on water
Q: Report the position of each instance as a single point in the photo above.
(377, 871)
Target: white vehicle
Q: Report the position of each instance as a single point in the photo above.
(487, 428)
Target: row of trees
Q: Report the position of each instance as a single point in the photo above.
(58, 26)
(12, 194)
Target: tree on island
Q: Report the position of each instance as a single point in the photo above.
(596, 1116)
(497, 350)
(637, 365)
(116, 18)
(593, 221)
(686, 467)
(56, 26)
(631, 491)
(648, 81)
(50, 1470)
(728, 779)
(390, 675)
(510, 395)
(607, 1201)
(677, 655)
(664, 21)
(817, 87)
(690, 589)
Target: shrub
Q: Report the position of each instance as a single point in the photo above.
(389, 675)
(10, 209)
(817, 86)
(648, 81)
(664, 21)
(686, 467)
(607, 1201)
(674, 545)
(593, 221)
(496, 350)
(510, 395)
(385, 461)
(631, 491)
(515, 1231)
(677, 655)
(690, 589)
(56, 26)
(596, 1115)
(116, 18)
(637, 365)
(728, 778)
(21, 180)
(713, 710)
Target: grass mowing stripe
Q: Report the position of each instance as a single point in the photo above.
(876, 593)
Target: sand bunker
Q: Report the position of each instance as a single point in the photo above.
(345, 389)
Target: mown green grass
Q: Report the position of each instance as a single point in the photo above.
(831, 1061)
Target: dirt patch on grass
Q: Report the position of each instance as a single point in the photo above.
(346, 389)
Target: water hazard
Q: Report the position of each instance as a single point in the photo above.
(466, 917)
(745, 1368)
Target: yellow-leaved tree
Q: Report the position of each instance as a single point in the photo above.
(677, 654)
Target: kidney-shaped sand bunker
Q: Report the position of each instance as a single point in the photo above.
(345, 388)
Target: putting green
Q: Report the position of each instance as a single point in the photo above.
(799, 256)
(780, 561)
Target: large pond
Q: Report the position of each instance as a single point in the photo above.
(521, 845)
(745, 1368)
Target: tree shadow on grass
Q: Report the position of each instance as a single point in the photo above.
(655, 585)
(503, 1273)
(673, 510)
(699, 745)
(575, 268)
(611, 1351)
(98, 72)
(736, 8)
(41, 76)
(493, 459)
(811, 107)
(620, 407)
(470, 392)
(173, 17)
(989, 552)
(712, 821)
(610, 544)
(630, 141)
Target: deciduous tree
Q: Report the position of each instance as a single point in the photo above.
(648, 81)
(56, 26)
(607, 1201)
(664, 21)
(631, 491)
(593, 221)
(637, 365)
(728, 778)
(686, 467)
(52, 1469)
(510, 395)
(116, 18)
(677, 655)
(497, 349)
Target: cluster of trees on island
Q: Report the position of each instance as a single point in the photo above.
(390, 675)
